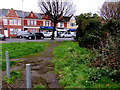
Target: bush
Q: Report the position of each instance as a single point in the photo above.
(108, 54)
(89, 31)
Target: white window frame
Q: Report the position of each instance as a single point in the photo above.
(15, 22)
(35, 22)
(11, 30)
(46, 23)
(61, 24)
(15, 30)
(72, 24)
(19, 22)
(11, 22)
(5, 21)
(32, 22)
(49, 23)
(28, 22)
(19, 29)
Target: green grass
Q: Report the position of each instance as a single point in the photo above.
(72, 64)
(18, 50)
(38, 87)
(14, 75)
(3, 64)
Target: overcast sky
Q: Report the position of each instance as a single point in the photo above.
(82, 6)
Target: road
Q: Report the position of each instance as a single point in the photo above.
(10, 40)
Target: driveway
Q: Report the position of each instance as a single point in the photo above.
(8, 40)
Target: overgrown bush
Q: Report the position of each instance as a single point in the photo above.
(89, 31)
(108, 54)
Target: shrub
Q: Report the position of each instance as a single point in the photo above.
(89, 31)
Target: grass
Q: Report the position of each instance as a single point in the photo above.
(12, 63)
(14, 75)
(38, 87)
(72, 64)
(18, 50)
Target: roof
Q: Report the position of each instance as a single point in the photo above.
(3, 12)
(20, 13)
(23, 14)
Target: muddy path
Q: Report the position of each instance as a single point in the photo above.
(42, 69)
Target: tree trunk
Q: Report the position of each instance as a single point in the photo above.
(53, 32)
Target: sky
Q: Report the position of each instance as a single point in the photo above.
(82, 6)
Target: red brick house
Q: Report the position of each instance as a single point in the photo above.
(11, 22)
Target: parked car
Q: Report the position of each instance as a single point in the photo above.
(47, 34)
(66, 35)
(22, 34)
(35, 35)
(73, 34)
(2, 37)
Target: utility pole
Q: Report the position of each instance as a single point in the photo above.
(22, 16)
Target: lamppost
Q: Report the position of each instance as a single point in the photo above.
(22, 17)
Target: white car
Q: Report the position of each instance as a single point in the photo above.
(22, 34)
(66, 35)
(47, 35)
(73, 34)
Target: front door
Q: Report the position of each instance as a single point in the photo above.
(6, 33)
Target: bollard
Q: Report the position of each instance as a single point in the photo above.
(11, 39)
(7, 65)
(35, 38)
(28, 76)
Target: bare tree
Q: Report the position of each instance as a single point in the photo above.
(56, 10)
(110, 10)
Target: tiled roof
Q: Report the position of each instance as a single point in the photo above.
(20, 13)
(23, 14)
(3, 12)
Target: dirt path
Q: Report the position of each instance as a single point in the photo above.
(42, 69)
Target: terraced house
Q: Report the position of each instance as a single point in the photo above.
(12, 21)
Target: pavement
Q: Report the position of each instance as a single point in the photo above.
(8, 40)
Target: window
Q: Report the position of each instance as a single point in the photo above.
(5, 21)
(11, 22)
(49, 23)
(72, 24)
(61, 24)
(33, 30)
(19, 29)
(13, 30)
(46, 23)
(28, 21)
(15, 22)
(31, 22)
(19, 22)
(34, 22)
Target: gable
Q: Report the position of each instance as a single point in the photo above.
(31, 15)
(12, 13)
